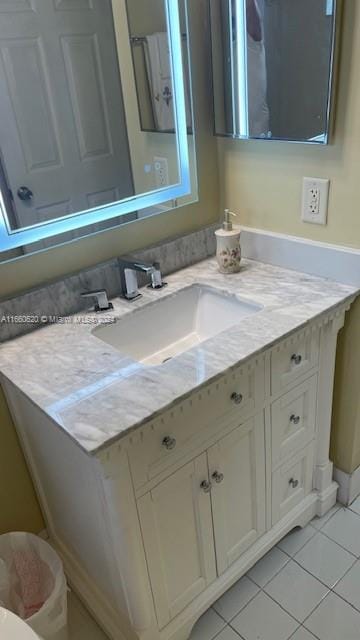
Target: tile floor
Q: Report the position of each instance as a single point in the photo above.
(81, 625)
(306, 588)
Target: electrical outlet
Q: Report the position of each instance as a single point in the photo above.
(161, 172)
(315, 200)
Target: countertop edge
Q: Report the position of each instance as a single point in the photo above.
(345, 303)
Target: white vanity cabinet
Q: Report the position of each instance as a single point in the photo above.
(176, 525)
(237, 475)
(157, 525)
(201, 519)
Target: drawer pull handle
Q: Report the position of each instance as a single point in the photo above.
(237, 397)
(169, 443)
(293, 483)
(294, 419)
(218, 477)
(206, 486)
(296, 358)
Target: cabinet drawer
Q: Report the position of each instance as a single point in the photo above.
(293, 359)
(165, 440)
(293, 419)
(291, 483)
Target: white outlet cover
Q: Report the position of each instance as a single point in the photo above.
(161, 172)
(315, 207)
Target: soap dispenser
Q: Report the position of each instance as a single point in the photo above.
(228, 251)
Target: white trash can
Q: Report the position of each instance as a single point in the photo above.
(33, 584)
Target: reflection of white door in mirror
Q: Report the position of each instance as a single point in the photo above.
(62, 124)
(70, 136)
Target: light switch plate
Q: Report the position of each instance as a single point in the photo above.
(315, 200)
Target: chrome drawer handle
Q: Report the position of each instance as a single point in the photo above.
(293, 483)
(296, 358)
(218, 477)
(237, 397)
(294, 419)
(206, 486)
(169, 443)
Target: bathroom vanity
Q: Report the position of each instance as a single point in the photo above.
(162, 484)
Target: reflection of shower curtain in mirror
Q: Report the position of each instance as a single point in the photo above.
(227, 44)
(256, 70)
(258, 111)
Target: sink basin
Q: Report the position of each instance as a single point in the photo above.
(163, 329)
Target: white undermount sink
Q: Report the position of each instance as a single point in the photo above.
(163, 329)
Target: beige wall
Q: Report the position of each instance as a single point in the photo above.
(19, 509)
(17, 506)
(345, 445)
(262, 182)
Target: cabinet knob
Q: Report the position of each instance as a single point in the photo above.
(293, 483)
(218, 477)
(237, 398)
(169, 443)
(205, 486)
(296, 358)
(294, 419)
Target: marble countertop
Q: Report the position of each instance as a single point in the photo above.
(97, 394)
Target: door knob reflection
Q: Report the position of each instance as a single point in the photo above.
(25, 194)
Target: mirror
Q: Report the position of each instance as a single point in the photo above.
(90, 136)
(273, 67)
(144, 48)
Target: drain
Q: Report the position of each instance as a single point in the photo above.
(167, 359)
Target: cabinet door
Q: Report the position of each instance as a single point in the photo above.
(237, 473)
(178, 538)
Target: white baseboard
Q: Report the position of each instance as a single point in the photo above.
(349, 485)
(331, 261)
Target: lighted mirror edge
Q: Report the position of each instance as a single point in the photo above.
(241, 106)
(98, 232)
(18, 238)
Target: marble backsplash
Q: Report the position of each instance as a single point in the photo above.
(63, 297)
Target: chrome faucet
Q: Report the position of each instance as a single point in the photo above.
(128, 278)
(101, 299)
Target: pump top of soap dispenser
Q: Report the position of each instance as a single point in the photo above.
(227, 224)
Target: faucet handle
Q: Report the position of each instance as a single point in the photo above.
(100, 295)
(156, 278)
